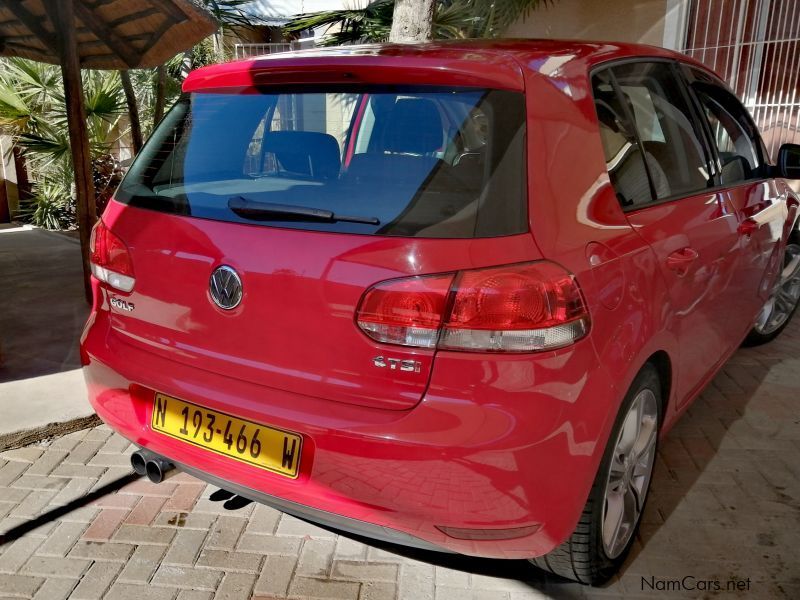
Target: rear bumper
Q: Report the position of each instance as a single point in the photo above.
(497, 443)
(321, 517)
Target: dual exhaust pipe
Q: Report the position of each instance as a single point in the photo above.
(155, 467)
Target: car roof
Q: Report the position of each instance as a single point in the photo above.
(492, 63)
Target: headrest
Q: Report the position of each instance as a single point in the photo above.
(305, 152)
(414, 127)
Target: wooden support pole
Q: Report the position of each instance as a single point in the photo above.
(63, 15)
(133, 111)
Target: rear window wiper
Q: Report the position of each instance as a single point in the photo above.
(252, 209)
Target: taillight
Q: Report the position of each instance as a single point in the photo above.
(407, 312)
(517, 308)
(110, 259)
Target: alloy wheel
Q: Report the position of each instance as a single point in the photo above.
(785, 294)
(630, 473)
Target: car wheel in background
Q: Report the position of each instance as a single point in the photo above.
(782, 304)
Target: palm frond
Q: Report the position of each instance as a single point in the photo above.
(50, 146)
(348, 26)
(231, 13)
(33, 80)
(103, 95)
(452, 19)
(15, 112)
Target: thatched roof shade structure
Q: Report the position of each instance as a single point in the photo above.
(97, 34)
(110, 34)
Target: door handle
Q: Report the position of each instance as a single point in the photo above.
(680, 260)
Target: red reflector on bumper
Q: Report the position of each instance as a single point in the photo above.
(488, 534)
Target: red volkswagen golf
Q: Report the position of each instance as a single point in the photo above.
(448, 295)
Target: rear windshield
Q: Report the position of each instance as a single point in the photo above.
(418, 162)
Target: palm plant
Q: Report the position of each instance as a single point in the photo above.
(51, 206)
(452, 19)
(33, 113)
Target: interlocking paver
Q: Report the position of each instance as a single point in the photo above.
(185, 547)
(182, 520)
(187, 577)
(72, 568)
(62, 539)
(56, 589)
(21, 585)
(235, 586)
(128, 591)
(195, 595)
(18, 553)
(100, 551)
(225, 533)
(362, 571)
(316, 557)
(96, 581)
(140, 534)
(725, 503)
(184, 497)
(104, 526)
(142, 564)
(306, 587)
(28, 454)
(417, 582)
(230, 561)
(275, 576)
(147, 508)
(264, 544)
(371, 590)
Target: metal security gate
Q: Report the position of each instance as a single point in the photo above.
(755, 46)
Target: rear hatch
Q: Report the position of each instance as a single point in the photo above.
(310, 197)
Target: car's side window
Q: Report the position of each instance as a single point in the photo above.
(677, 159)
(730, 128)
(624, 160)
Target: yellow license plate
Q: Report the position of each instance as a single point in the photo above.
(261, 445)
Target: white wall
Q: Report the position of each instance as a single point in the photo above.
(641, 21)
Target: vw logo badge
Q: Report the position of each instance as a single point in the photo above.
(225, 287)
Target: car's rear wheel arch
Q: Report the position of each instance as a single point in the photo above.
(663, 365)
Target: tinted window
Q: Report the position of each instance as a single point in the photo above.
(731, 129)
(624, 160)
(425, 162)
(676, 158)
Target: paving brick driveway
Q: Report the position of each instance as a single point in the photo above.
(725, 504)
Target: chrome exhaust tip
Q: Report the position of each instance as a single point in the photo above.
(139, 460)
(158, 469)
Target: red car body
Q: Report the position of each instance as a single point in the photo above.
(504, 443)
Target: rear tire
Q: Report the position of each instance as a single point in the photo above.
(782, 304)
(592, 554)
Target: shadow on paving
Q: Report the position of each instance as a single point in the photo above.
(42, 306)
(56, 513)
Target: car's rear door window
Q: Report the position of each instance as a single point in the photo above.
(398, 161)
(677, 160)
(666, 127)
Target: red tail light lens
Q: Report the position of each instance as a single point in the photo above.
(110, 259)
(407, 312)
(518, 308)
